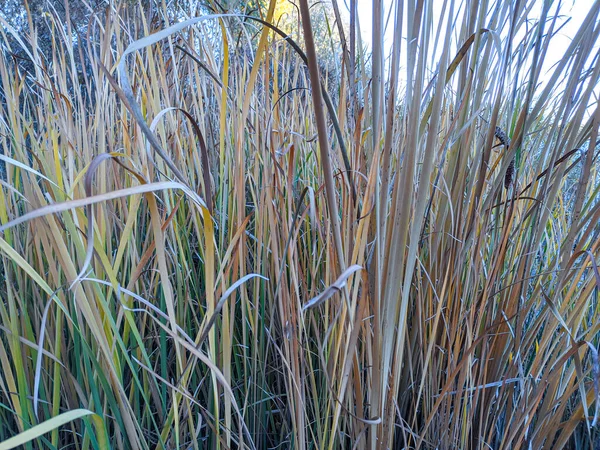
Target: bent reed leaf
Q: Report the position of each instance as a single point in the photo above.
(332, 289)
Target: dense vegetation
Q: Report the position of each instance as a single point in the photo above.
(227, 225)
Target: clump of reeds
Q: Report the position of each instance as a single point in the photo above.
(206, 245)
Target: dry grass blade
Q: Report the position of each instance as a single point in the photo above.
(72, 204)
(331, 290)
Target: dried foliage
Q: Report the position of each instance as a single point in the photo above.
(210, 238)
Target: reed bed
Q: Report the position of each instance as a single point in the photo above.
(236, 226)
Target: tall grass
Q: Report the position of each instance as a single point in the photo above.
(213, 238)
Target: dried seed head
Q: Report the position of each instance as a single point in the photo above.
(508, 176)
(502, 137)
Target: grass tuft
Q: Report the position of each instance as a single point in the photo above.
(236, 226)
